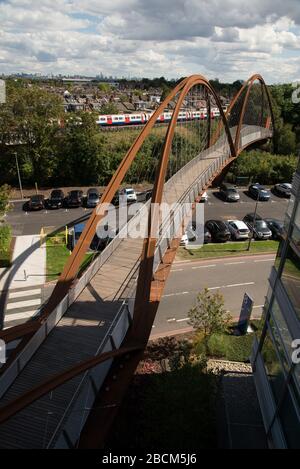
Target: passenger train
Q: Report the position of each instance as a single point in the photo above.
(142, 118)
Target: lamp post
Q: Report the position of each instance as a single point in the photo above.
(19, 175)
(254, 220)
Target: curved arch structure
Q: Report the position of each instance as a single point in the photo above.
(152, 275)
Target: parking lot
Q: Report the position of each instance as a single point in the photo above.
(215, 208)
(26, 223)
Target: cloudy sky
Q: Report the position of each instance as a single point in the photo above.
(229, 39)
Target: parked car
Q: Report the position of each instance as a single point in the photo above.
(56, 199)
(250, 217)
(204, 197)
(258, 226)
(36, 202)
(276, 226)
(191, 232)
(229, 192)
(200, 232)
(284, 189)
(148, 194)
(92, 197)
(97, 244)
(74, 199)
(259, 192)
(238, 229)
(219, 230)
(127, 195)
(184, 240)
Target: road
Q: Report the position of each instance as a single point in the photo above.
(230, 276)
(24, 223)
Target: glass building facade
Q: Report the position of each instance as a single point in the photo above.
(276, 357)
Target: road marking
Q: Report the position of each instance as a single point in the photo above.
(232, 286)
(182, 320)
(171, 320)
(266, 260)
(259, 306)
(23, 304)
(176, 270)
(239, 284)
(16, 316)
(20, 294)
(204, 266)
(176, 294)
(235, 263)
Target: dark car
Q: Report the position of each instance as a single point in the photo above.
(148, 194)
(219, 231)
(92, 197)
(276, 226)
(229, 193)
(198, 233)
(259, 192)
(283, 190)
(36, 202)
(74, 198)
(250, 217)
(56, 199)
(258, 227)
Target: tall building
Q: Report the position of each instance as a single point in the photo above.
(276, 357)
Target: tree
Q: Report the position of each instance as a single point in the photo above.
(287, 140)
(105, 87)
(208, 315)
(82, 158)
(31, 115)
(109, 108)
(4, 196)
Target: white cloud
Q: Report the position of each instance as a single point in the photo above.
(225, 38)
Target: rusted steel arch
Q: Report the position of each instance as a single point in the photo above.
(141, 322)
(248, 84)
(18, 404)
(72, 266)
(145, 278)
(143, 316)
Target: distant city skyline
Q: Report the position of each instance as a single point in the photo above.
(228, 39)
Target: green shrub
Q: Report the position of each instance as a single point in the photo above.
(227, 346)
(264, 167)
(5, 240)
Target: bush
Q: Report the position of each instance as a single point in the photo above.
(5, 240)
(264, 167)
(226, 346)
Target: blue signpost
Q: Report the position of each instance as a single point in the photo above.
(245, 314)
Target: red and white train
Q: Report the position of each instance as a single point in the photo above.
(143, 117)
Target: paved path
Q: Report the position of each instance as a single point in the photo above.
(21, 286)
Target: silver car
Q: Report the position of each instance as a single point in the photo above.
(92, 197)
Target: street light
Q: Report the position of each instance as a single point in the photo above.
(253, 223)
(19, 175)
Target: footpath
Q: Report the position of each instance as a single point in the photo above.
(21, 286)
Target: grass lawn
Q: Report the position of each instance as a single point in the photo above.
(227, 346)
(213, 250)
(168, 411)
(57, 255)
(5, 241)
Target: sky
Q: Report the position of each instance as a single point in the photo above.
(225, 39)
